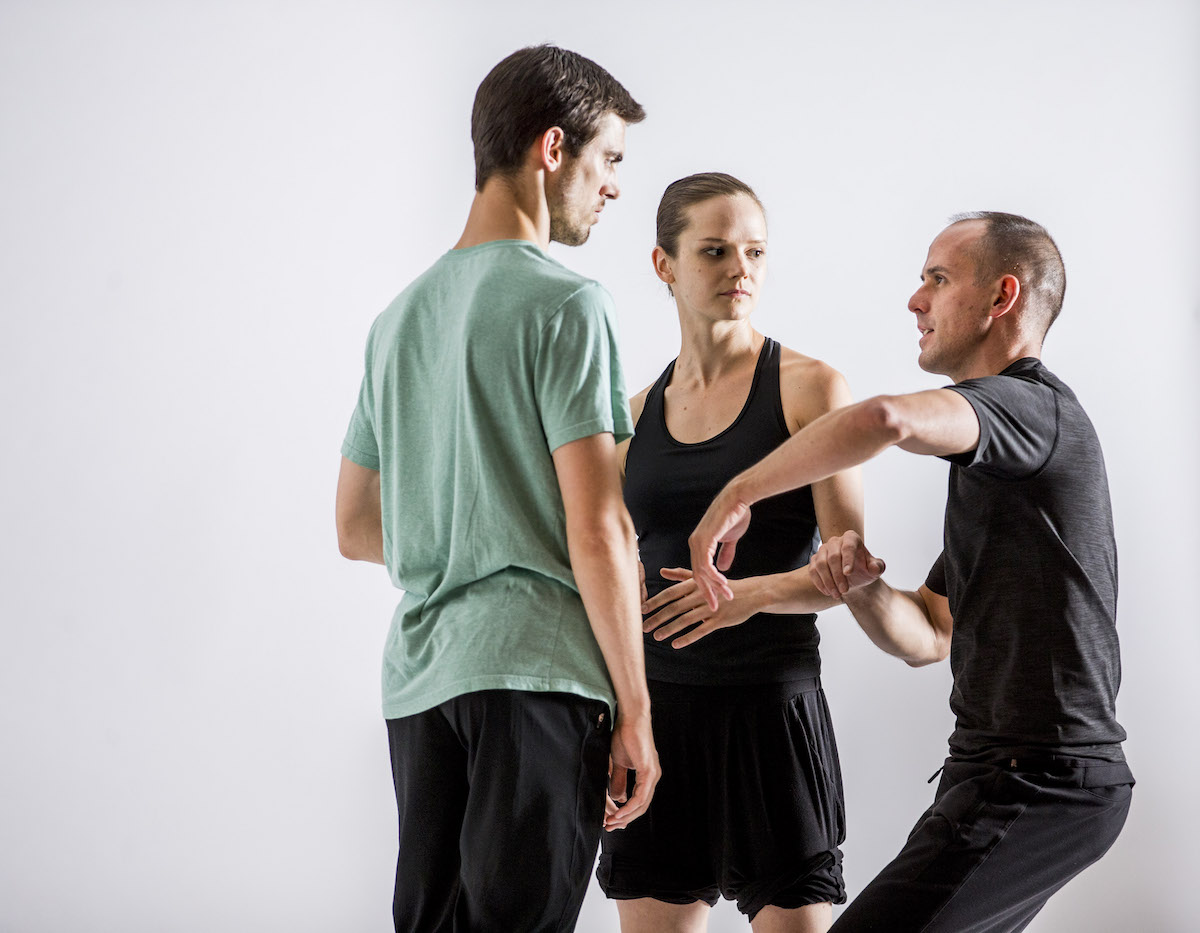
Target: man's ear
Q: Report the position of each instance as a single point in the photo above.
(1008, 291)
(662, 265)
(550, 151)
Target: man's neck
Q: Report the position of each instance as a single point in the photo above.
(992, 364)
(508, 208)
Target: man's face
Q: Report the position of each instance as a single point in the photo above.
(578, 191)
(952, 311)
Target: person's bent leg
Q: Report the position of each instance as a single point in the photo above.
(647, 915)
(538, 768)
(811, 918)
(429, 772)
(991, 851)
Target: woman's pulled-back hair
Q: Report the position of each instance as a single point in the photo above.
(694, 189)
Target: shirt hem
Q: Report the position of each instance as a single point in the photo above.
(398, 709)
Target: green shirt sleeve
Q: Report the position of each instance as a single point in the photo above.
(578, 381)
(361, 444)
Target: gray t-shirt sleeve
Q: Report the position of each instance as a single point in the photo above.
(1018, 425)
(578, 381)
(936, 578)
(360, 444)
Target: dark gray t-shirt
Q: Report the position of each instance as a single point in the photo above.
(1030, 569)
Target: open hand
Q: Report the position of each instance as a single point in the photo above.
(682, 606)
(723, 524)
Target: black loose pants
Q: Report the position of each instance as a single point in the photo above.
(997, 842)
(500, 795)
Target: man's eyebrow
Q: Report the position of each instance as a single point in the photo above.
(934, 270)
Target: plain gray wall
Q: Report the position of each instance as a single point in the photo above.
(204, 205)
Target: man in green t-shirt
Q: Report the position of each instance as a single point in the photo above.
(480, 467)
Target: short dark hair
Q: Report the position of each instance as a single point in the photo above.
(1015, 245)
(672, 217)
(534, 89)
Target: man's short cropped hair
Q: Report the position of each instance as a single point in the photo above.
(537, 88)
(1015, 245)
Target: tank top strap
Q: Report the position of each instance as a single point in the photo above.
(654, 398)
(764, 407)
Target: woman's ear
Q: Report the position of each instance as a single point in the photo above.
(663, 265)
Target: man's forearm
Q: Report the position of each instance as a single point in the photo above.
(604, 561)
(362, 542)
(898, 622)
(834, 442)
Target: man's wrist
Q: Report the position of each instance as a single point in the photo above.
(866, 594)
(634, 705)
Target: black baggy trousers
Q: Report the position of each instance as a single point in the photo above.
(500, 795)
(999, 839)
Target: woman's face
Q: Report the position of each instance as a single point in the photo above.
(721, 260)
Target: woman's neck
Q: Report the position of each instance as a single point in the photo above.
(710, 349)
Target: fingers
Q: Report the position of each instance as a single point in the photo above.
(709, 581)
(725, 521)
(675, 573)
(725, 555)
(826, 569)
(666, 629)
(818, 572)
(838, 571)
(610, 808)
(669, 595)
(706, 627)
(632, 750)
(618, 779)
(643, 790)
(842, 564)
(642, 579)
(663, 616)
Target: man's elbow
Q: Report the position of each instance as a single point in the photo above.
(346, 546)
(884, 418)
(938, 650)
(610, 528)
(351, 541)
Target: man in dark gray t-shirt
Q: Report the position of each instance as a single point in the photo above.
(1022, 598)
(1030, 571)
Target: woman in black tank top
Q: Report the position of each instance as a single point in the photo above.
(749, 806)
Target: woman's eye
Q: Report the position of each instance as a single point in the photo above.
(757, 253)
(715, 251)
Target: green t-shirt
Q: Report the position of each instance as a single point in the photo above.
(485, 364)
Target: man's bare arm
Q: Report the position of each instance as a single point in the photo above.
(359, 520)
(913, 626)
(937, 422)
(603, 554)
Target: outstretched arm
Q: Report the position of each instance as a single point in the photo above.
(937, 422)
(603, 555)
(914, 626)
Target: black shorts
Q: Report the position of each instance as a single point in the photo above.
(749, 806)
(998, 841)
(501, 802)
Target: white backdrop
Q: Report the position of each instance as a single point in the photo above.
(204, 205)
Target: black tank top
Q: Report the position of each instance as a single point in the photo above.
(668, 486)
